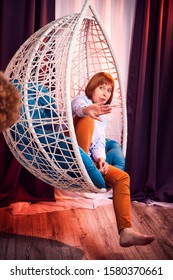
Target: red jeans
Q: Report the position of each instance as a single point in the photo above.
(115, 178)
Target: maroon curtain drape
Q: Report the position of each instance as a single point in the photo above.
(150, 103)
(19, 19)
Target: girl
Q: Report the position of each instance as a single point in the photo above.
(90, 126)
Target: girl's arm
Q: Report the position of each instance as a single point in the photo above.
(99, 139)
(82, 106)
(103, 166)
(96, 110)
(77, 105)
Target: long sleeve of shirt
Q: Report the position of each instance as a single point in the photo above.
(78, 103)
(97, 148)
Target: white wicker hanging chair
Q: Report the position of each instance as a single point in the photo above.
(49, 69)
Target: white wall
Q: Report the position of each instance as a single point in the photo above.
(117, 17)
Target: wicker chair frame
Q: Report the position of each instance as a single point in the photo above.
(53, 66)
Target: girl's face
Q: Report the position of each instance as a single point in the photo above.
(102, 93)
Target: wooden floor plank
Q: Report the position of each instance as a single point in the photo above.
(85, 234)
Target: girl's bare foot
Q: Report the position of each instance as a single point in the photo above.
(129, 237)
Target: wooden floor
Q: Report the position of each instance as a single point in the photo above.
(84, 234)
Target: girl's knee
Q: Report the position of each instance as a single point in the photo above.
(126, 176)
(89, 120)
(86, 122)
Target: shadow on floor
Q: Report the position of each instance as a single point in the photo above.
(20, 247)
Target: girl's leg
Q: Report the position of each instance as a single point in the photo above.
(114, 154)
(120, 182)
(84, 128)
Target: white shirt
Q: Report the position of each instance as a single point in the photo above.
(97, 148)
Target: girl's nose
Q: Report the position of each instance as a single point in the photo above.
(104, 93)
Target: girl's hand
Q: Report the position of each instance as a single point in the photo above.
(103, 166)
(96, 110)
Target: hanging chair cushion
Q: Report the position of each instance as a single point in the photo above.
(61, 152)
(45, 109)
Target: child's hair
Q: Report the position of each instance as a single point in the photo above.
(97, 80)
(9, 103)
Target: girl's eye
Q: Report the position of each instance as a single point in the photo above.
(109, 90)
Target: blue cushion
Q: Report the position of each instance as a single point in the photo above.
(59, 154)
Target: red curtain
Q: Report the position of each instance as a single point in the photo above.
(150, 103)
(19, 20)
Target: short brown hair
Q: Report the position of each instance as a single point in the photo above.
(9, 103)
(99, 79)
